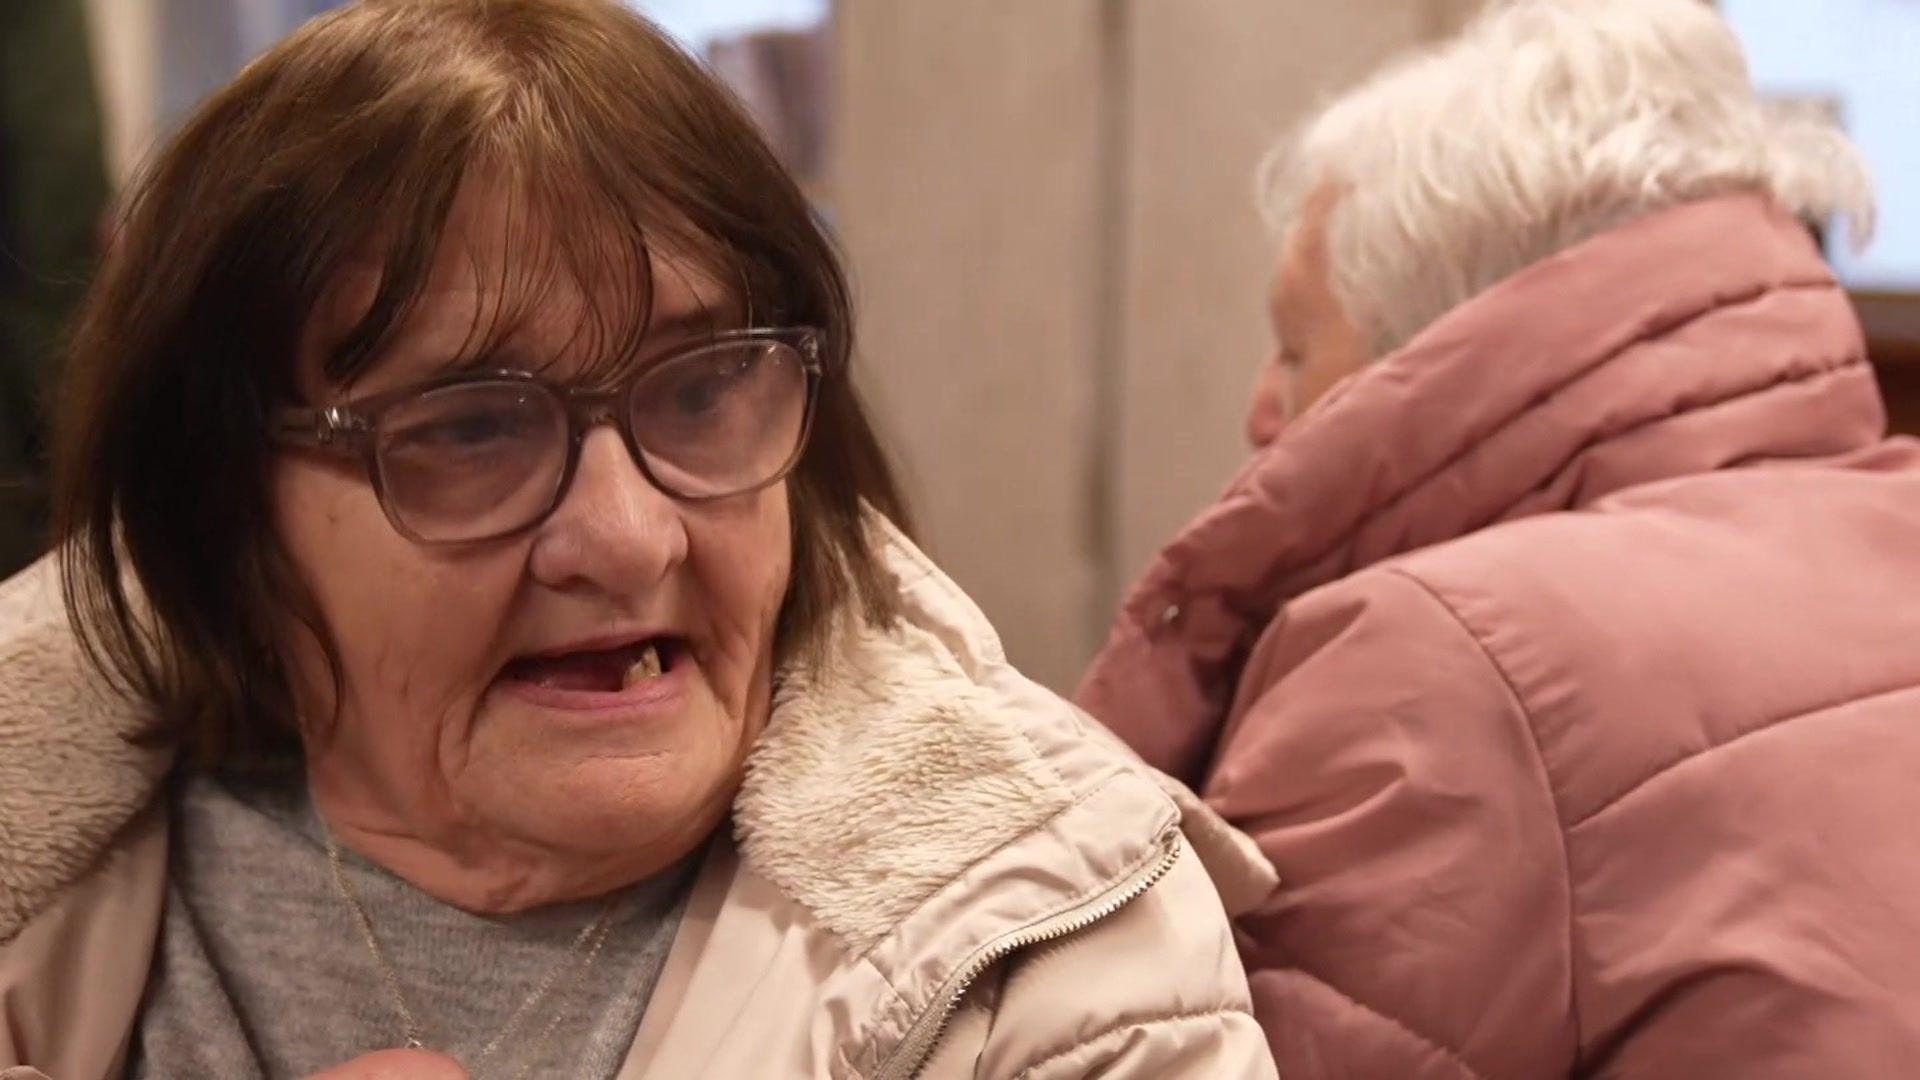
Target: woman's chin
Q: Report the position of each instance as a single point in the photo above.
(551, 855)
(616, 793)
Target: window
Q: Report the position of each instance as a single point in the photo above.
(1860, 55)
(775, 54)
(701, 23)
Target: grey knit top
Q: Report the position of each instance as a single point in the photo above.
(262, 971)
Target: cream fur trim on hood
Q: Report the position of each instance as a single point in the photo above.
(911, 757)
(70, 775)
(882, 779)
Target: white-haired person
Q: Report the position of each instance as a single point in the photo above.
(1561, 643)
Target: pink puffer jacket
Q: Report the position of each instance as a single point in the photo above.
(1567, 666)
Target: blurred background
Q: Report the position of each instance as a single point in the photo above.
(1046, 206)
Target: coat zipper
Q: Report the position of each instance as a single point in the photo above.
(924, 1035)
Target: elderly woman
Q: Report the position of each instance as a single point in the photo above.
(1561, 642)
(460, 470)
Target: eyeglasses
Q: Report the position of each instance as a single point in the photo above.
(481, 455)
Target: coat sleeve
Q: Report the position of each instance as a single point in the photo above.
(1383, 763)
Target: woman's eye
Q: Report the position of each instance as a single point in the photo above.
(463, 431)
(699, 392)
(474, 428)
(696, 396)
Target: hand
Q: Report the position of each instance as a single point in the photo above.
(395, 1065)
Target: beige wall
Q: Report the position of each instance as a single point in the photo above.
(126, 70)
(1213, 83)
(968, 160)
(155, 59)
(1047, 208)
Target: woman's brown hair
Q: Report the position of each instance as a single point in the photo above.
(351, 139)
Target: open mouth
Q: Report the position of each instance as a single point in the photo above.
(599, 671)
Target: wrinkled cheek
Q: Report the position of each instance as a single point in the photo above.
(390, 716)
(748, 649)
(309, 678)
(739, 562)
(312, 512)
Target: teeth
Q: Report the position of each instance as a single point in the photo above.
(647, 667)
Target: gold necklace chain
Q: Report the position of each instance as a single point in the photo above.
(553, 1022)
(591, 937)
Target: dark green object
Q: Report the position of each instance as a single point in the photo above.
(53, 192)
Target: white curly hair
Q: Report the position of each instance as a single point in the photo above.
(1545, 122)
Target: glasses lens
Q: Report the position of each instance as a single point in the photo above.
(722, 420)
(472, 460)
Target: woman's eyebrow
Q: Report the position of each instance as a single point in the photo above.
(503, 357)
(681, 326)
(664, 332)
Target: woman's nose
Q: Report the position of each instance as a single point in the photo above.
(613, 531)
(1267, 416)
